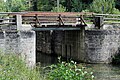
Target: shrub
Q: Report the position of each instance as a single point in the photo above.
(68, 71)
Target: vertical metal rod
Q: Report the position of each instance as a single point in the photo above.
(58, 4)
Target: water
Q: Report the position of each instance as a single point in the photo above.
(45, 59)
(101, 71)
(105, 71)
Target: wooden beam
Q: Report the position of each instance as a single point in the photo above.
(60, 28)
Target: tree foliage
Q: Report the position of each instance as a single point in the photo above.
(78, 6)
(61, 9)
(102, 6)
(98, 6)
(14, 5)
(117, 2)
(2, 6)
(46, 5)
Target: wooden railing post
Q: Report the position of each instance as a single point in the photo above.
(98, 21)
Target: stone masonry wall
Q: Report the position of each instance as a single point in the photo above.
(101, 45)
(2, 41)
(21, 42)
(27, 47)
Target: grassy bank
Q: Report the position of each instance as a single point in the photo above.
(13, 67)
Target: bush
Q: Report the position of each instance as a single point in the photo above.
(68, 71)
(13, 68)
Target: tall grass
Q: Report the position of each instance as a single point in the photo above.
(12, 67)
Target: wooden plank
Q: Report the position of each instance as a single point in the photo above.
(106, 15)
(8, 23)
(112, 22)
(111, 18)
(60, 28)
(57, 13)
(7, 19)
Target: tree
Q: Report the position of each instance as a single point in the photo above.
(2, 3)
(2, 6)
(70, 5)
(75, 5)
(102, 6)
(117, 4)
(16, 5)
(78, 6)
(46, 5)
(61, 9)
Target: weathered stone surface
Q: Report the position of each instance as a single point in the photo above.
(101, 45)
(21, 42)
(95, 46)
(2, 41)
(28, 47)
(12, 42)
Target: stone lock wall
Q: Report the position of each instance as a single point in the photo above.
(91, 46)
(22, 42)
(27, 47)
(101, 45)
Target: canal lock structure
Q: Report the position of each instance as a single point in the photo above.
(100, 46)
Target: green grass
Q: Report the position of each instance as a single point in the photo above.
(13, 67)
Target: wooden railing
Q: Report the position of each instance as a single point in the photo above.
(109, 18)
(9, 18)
(50, 18)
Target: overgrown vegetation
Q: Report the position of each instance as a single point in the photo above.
(13, 67)
(69, 71)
